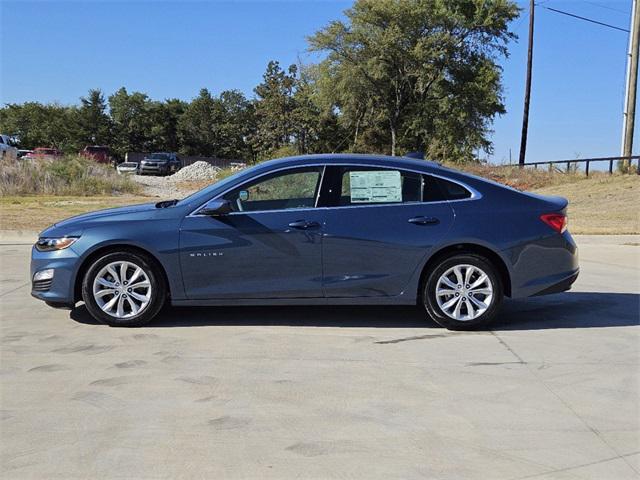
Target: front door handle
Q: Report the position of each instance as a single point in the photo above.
(304, 224)
(424, 221)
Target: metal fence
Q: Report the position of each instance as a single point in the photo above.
(571, 165)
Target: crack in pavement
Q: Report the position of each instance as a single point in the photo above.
(13, 290)
(567, 469)
(567, 405)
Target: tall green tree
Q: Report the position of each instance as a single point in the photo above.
(200, 127)
(274, 108)
(425, 70)
(132, 116)
(93, 122)
(164, 130)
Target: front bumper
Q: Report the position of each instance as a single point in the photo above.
(152, 169)
(60, 289)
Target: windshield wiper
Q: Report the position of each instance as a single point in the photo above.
(167, 203)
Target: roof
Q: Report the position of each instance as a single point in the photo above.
(353, 158)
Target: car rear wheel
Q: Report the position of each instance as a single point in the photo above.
(123, 289)
(463, 292)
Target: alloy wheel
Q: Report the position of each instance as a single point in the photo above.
(122, 289)
(464, 292)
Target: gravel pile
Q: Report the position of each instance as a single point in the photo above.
(195, 171)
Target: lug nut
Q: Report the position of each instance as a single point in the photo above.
(124, 295)
(457, 294)
(129, 290)
(466, 286)
(464, 299)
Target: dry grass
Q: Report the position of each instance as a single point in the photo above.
(70, 175)
(34, 213)
(602, 204)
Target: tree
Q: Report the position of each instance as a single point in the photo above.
(40, 125)
(132, 116)
(199, 128)
(93, 123)
(164, 130)
(425, 69)
(274, 108)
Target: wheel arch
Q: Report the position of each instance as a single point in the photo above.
(459, 248)
(84, 266)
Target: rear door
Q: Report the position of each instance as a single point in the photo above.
(378, 229)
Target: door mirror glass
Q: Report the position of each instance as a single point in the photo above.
(243, 195)
(216, 208)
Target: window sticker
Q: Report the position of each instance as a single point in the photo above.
(379, 186)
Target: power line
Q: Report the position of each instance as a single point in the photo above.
(606, 7)
(585, 19)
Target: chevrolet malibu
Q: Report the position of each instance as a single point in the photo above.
(315, 230)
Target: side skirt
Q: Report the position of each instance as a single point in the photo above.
(397, 300)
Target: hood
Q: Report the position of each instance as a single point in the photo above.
(75, 225)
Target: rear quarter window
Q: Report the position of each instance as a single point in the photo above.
(439, 189)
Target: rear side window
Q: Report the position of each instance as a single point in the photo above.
(438, 189)
(357, 185)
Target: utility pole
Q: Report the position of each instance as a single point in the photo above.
(527, 91)
(631, 84)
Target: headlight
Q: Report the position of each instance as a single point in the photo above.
(45, 244)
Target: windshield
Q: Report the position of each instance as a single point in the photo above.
(159, 156)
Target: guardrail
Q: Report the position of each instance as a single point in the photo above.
(587, 161)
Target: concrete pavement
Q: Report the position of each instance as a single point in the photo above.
(552, 391)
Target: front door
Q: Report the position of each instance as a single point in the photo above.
(270, 246)
(378, 229)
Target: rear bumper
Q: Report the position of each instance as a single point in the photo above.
(562, 286)
(544, 266)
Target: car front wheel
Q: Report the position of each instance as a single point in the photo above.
(462, 292)
(123, 289)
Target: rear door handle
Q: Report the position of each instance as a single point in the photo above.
(304, 224)
(424, 220)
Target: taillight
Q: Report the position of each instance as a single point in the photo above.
(557, 221)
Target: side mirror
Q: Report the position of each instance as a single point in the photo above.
(216, 208)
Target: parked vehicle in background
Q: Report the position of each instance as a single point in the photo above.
(130, 168)
(7, 151)
(44, 153)
(315, 230)
(160, 163)
(99, 153)
(24, 153)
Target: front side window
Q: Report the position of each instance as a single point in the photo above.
(290, 189)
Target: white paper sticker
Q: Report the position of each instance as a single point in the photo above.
(378, 186)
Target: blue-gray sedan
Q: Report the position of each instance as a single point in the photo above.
(319, 229)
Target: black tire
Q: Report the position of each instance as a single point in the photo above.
(438, 314)
(157, 295)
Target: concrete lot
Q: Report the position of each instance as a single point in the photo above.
(551, 392)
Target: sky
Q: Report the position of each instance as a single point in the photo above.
(53, 51)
